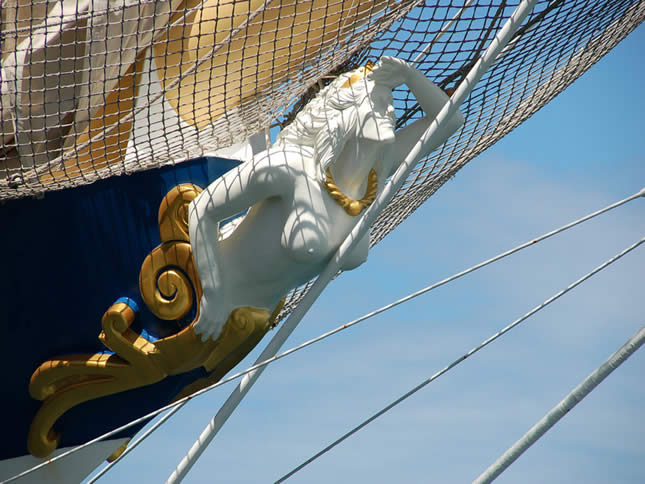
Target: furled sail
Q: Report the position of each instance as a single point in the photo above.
(91, 88)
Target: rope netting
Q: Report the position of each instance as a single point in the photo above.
(97, 88)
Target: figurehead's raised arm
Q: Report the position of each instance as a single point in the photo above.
(394, 72)
(242, 187)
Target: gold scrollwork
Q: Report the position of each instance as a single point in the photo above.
(173, 212)
(167, 279)
(117, 453)
(69, 380)
(168, 274)
(169, 285)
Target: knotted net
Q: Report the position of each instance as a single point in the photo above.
(97, 88)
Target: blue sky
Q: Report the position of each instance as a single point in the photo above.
(580, 153)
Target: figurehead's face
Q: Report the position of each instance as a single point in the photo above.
(376, 115)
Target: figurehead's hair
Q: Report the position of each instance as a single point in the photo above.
(358, 74)
(328, 120)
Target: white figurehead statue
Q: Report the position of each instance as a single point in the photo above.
(303, 194)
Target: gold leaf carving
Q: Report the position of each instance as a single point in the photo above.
(117, 453)
(73, 379)
(173, 212)
(169, 285)
(167, 290)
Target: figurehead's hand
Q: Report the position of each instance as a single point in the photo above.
(391, 71)
(212, 317)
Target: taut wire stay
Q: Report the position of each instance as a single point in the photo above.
(550, 421)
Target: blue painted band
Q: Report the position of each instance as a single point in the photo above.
(130, 302)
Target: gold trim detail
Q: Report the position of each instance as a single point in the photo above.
(117, 453)
(222, 367)
(359, 74)
(166, 289)
(351, 206)
(173, 212)
(169, 285)
(168, 274)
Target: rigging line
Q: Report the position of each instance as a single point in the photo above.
(538, 18)
(530, 25)
(441, 32)
(130, 447)
(180, 403)
(561, 409)
(463, 71)
(460, 360)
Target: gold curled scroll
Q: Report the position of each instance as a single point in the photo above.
(70, 380)
(173, 212)
(243, 334)
(168, 279)
(247, 52)
(66, 381)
